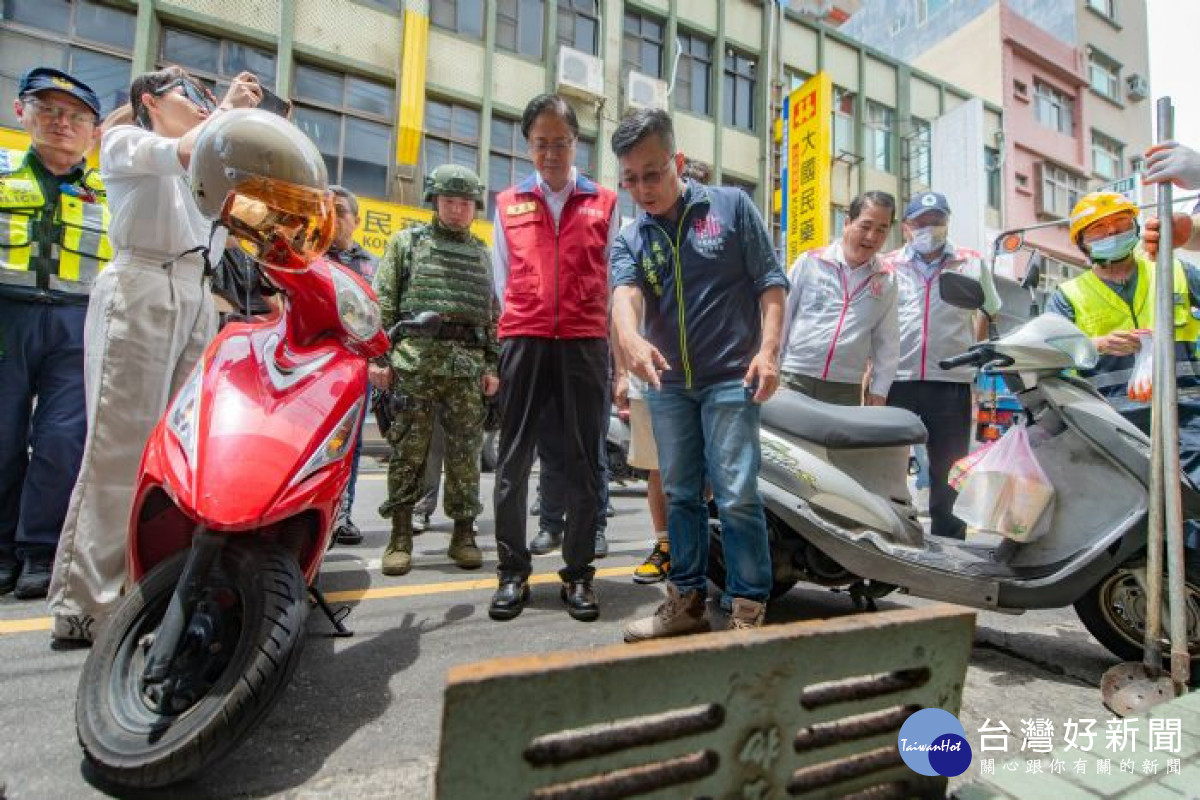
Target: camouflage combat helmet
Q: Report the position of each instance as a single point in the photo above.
(453, 180)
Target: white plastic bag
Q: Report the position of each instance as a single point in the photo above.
(1005, 491)
(1141, 381)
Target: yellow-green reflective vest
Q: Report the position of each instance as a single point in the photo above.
(1099, 310)
(77, 248)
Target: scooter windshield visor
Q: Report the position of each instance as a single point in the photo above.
(260, 224)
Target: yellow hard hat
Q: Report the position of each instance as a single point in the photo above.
(1096, 206)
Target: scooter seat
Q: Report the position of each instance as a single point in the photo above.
(841, 427)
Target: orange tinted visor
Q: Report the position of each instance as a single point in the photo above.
(261, 210)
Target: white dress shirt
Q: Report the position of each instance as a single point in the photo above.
(149, 197)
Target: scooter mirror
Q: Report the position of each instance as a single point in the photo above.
(1033, 271)
(961, 291)
(1010, 243)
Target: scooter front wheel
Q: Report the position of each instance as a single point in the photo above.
(239, 649)
(1114, 611)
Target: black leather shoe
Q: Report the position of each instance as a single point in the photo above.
(348, 533)
(34, 582)
(580, 600)
(510, 599)
(545, 542)
(10, 568)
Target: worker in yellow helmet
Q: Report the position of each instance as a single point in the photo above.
(1115, 298)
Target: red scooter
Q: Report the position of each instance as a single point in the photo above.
(235, 506)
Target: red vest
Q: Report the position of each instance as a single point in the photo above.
(557, 280)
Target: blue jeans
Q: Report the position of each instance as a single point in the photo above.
(713, 432)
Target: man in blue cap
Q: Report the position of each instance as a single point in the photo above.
(53, 209)
(930, 330)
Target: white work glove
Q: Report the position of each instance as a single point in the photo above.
(1171, 162)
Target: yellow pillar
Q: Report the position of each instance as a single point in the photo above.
(414, 53)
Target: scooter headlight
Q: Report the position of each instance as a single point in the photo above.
(336, 444)
(1078, 348)
(183, 420)
(358, 312)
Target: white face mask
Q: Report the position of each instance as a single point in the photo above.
(929, 239)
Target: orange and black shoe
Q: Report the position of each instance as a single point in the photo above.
(656, 566)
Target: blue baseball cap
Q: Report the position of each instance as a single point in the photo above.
(926, 201)
(41, 79)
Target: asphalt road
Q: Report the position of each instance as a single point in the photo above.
(362, 715)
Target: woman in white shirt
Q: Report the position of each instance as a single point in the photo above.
(150, 316)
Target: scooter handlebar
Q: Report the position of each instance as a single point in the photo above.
(973, 358)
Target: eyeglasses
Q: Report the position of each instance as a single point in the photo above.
(190, 93)
(560, 146)
(1109, 226)
(650, 179)
(46, 112)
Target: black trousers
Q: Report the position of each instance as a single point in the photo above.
(945, 409)
(568, 379)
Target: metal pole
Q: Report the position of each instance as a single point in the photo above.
(1166, 394)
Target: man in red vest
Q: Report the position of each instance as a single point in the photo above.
(553, 233)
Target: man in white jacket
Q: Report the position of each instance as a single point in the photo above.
(931, 330)
(841, 312)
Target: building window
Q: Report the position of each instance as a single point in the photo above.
(520, 25)
(350, 120)
(920, 152)
(585, 156)
(1061, 190)
(693, 76)
(840, 215)
(642, 45)
(740, 79)
(991, 163)
(579, 25)
(1107, 156)
(215, 61)
(451, 136)
(1106, 8)
(1136, 164)
(880, 122)
(1104, 75)
(843, 121)
(625, 203)
(91, 41)
(509, 162)
(459, 16)
(1054, 109)
(928, 9)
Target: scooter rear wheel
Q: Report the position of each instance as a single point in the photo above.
(1114, 611)
(136, 736)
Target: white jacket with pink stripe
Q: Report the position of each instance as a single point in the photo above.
(840, 319)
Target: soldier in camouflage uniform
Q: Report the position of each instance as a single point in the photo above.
(438, 267)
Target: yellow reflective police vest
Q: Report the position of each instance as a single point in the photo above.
(1099, 310)
(78, 245)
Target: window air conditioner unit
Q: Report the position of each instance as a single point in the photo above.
(1137, 87)
(642, 91)
(580, 74)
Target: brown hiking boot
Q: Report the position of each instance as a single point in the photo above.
(679, 614)
(463, 550)
(746, 614)
(397, 557)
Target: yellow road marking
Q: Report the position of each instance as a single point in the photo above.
(32, 624)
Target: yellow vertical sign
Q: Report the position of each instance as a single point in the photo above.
(807, 134)
(414, 53)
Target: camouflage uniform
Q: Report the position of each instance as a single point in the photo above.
(432, 268)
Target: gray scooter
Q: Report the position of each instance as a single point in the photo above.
(839, 512)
